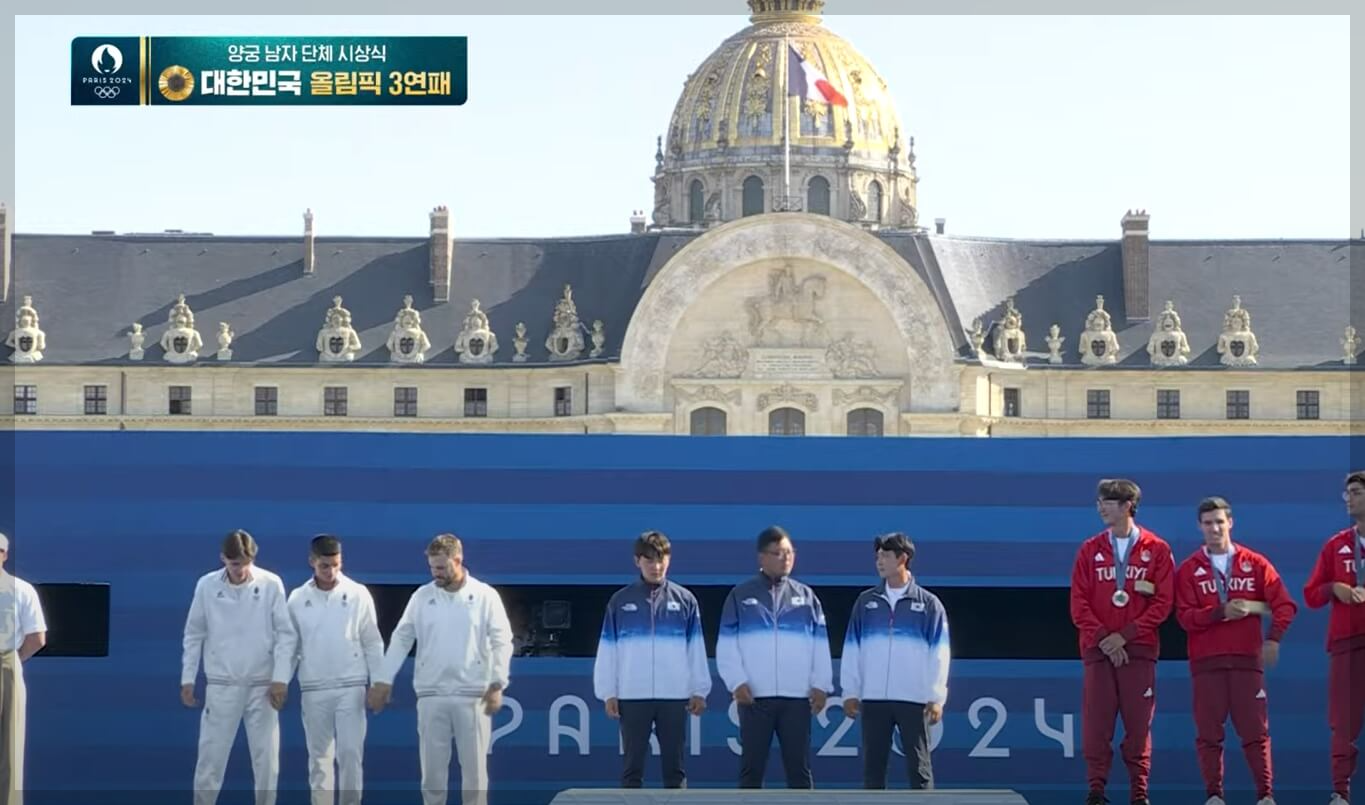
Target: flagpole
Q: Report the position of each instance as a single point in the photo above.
(786, 126)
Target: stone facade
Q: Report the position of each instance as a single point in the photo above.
(735, 312)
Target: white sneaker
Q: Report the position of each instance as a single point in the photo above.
(1265, 801)
(1337, 799)
(1217, 800)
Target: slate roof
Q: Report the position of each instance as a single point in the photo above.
(89, 289)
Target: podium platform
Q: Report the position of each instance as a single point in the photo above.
(764, 796)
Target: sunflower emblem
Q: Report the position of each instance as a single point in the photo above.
(176, 83)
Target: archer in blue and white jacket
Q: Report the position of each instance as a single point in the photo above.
(896, 652)
(773, 638)
(651, 645)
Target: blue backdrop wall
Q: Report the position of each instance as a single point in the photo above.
(144, 512)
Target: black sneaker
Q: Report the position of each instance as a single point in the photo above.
(1095, 798)
(1142, 801)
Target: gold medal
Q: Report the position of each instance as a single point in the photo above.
(176, 83)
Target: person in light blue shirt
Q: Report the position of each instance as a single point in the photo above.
(651, 666)
(773, 655)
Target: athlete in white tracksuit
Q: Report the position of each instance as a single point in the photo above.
(464, 653)
(339, 651)
(239, 625)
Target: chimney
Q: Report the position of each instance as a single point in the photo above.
(637, 222)
(940, 224)
(309, 256)
(1136, 274)
(442, 248)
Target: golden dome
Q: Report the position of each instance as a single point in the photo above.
(727, 107)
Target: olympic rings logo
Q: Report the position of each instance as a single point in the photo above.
(107, 93)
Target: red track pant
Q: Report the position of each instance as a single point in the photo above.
(1345, 712)
(1239, 692)
(1108, 692)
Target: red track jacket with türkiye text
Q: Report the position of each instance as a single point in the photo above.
(1149, 584)
(1346, 624)
(1214, 640)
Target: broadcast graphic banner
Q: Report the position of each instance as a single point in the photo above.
(269, 70)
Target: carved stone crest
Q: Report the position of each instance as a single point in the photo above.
(27, 340)
(722, 356)
(1350, 344)
(565, 342)
(1237, 344)
(1054, 343)
(181, 341)
(476, 342)
(337, 342)
(789, 313)
(408, 343)
(1099, 345)
(1168, 345)
(787, 393)
(852, 357)
(1010, 342)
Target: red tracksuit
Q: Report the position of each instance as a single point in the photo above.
(1128, 690)
(1346, 645)
(1225, 658)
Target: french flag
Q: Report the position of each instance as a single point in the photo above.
(804, 79)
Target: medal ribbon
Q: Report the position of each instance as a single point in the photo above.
(1220, 579)
(1121, 562)
(1360, 566)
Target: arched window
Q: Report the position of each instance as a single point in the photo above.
(874, 201)
(695, 203)
(817, 196)
(787, 422)
(708, 422)
(865, 422)
(753, 196)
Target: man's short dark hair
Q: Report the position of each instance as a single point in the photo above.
(896, 542)
(652, 545)
(1213, 504)
(771, 535)
(325, 545)
(1357, 477)
(1120, 489)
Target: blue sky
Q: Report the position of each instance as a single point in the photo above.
(1025, 127)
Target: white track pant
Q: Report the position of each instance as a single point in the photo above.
(439, 720)
(334, 725)
(225, 708)
(13, 700)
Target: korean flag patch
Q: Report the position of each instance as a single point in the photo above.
(674, 606)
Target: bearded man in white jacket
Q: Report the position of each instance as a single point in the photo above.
(464, 654)
(339, 652)
(239, 625)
